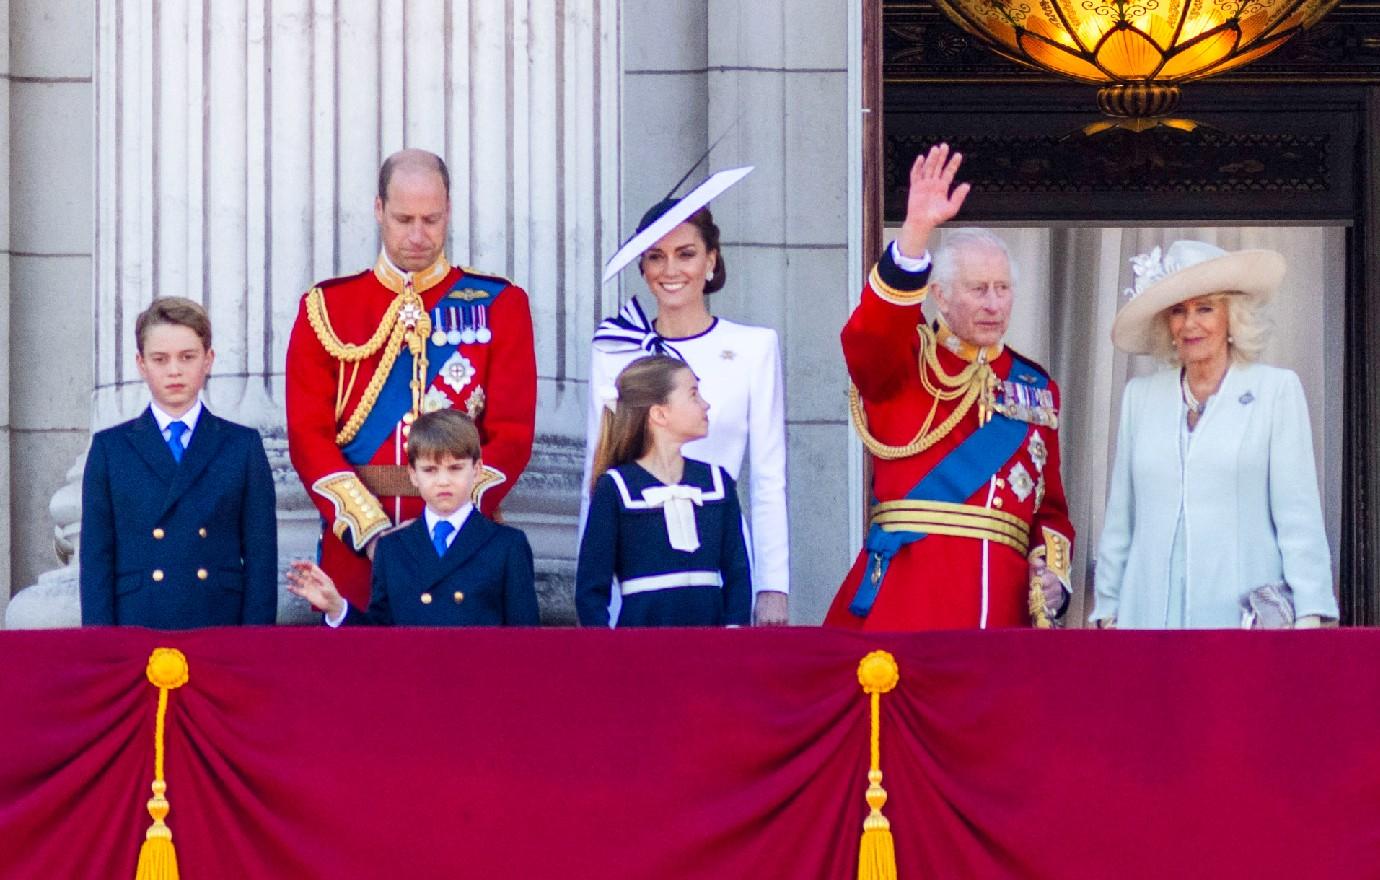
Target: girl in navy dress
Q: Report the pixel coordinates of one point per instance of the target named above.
(668, 528)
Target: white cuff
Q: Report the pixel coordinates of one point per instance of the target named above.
(335, 624)
(909, 264)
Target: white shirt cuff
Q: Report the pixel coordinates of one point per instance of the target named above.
(909, 264)
(335, 624)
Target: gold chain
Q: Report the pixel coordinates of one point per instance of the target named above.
(971, 383)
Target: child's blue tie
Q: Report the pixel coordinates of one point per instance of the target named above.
(439, 536)
(175, 432)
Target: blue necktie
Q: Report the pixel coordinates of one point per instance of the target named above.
(175, 432)
(439, 536)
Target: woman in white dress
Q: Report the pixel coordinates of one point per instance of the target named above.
(1213, 513)
(739, 369)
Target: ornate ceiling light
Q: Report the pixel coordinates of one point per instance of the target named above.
(1138, 50)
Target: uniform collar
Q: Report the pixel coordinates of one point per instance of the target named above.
(395, 279)
(965, 350)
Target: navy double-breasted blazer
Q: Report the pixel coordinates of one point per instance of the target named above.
(178, 545)
(485, 578)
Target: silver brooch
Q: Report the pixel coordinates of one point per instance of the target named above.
(1246, 398)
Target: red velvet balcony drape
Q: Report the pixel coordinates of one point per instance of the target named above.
(726, 754)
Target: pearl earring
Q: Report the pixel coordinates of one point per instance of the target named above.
(709, 276)
(1231, 340)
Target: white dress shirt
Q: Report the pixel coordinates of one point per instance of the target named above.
(909, 264)
(188, 418)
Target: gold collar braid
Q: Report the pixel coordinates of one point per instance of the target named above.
(975, 383)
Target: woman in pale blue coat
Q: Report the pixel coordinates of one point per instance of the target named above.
(1214, 489)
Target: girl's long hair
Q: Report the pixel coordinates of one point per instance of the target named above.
(623, 434)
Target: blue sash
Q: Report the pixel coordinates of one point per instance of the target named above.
(953, 480)
(395, 398)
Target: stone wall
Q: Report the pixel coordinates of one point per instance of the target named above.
(47, 220)
(201, 149)
(776, 73)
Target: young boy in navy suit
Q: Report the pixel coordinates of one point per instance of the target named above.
(452, 566)
(178, 528)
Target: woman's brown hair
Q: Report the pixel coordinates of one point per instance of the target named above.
(703, 221)
(623, 434)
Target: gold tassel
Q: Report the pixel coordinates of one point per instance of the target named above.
(878, 674)
(166, 670)
(1039, 616)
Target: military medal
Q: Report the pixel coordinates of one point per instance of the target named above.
(483, 334)
(438, 336)
(454, 337)
(467, 327)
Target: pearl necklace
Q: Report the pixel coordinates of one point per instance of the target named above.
(1193, 405)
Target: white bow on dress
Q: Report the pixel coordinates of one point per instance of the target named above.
(677, 505)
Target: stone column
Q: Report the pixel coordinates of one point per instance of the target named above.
(47, 222)
(782, 66)
(5, 471)
(237, 150)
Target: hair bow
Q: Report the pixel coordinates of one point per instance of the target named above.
(609, 395)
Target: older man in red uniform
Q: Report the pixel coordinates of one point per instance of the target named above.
(968, 522)
(371, 352)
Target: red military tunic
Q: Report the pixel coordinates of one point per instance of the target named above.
(971, 567)
(347, 427)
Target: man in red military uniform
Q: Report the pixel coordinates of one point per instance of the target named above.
(371, 352)
(968, 524)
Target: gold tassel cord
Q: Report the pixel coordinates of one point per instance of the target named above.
(878, 674)
(405, 323)
(166, 670)
(975, 383)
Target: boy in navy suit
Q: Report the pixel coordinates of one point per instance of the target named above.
(178, 528)
(452, 566)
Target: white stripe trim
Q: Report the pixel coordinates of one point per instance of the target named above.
(672, 581)
(991, 493)
(716, 494)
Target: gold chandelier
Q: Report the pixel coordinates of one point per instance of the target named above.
(1138, 50)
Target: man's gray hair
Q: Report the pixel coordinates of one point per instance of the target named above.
(961, 241)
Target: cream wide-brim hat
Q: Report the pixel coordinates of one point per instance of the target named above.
(1187, 270)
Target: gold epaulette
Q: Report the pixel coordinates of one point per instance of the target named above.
(356, 510)
(487, 479)
(470, 271)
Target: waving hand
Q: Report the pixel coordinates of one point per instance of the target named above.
(933, 199)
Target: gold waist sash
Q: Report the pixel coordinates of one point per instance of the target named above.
(956, 520)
